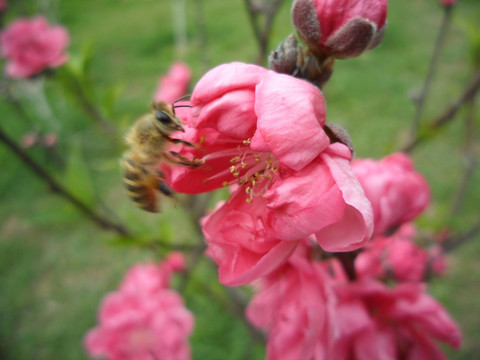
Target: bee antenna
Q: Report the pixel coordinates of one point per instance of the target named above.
(180, 99)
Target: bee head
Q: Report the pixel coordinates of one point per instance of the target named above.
(167, 120)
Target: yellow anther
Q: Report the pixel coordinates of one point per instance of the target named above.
(233, 169)
(202, 139)
(256, 157)
(249, 200)
(244, 165)
(247, 142)
(248, 189)
(235, 160)
(225, 183)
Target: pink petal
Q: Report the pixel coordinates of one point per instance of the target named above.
(236, 241)
(356, 226)
(225, 78)
(231, 114)
(300, 111)
(303, 202)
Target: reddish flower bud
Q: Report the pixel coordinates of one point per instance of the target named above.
(342, 28)
(448, 2)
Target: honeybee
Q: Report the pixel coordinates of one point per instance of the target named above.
(148, 139)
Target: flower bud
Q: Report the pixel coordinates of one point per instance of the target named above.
(340, 28)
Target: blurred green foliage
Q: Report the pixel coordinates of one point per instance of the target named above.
(55, 265)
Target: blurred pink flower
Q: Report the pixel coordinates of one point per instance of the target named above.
(295, 306)
(150, 278)
(50, 140)
(449, 2)
(396, 256)
(263, 131)
(342, 28)
(310, 310)
(3, 5)
(29, 139)
(143, 319)
(378, 323)
(437, 263)
(174, 84)
(32, 45)
(397, 192)
(133, 326)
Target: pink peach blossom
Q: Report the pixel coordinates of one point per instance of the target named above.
(437, 263)
(396, 191)
(144, 318)
(295, 306)
(174, 84)
(263, 132)
(449, 2)
(395, 256)
(138, 327)
(310, 309)
(378, 323)
(150, 278)
(342, 28)
(32, 45)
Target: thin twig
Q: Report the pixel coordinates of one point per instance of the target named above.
(420, 100)
(59, 189)
(202, 35)
(470, 159)
(454, 242)
(262, 35)
(449, 114)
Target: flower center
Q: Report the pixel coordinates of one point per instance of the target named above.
(254, 171)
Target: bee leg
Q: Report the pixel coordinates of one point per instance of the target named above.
(165, 189)
(176, 158)
(183, 142)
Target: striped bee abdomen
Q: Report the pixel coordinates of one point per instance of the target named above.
(141, 184)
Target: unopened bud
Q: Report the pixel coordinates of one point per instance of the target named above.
(341, 28)
(290, 58)
(284, 58)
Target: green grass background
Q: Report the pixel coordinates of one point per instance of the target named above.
(55, 265)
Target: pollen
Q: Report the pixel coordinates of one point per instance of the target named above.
(253, 171)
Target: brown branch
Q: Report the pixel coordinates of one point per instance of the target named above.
(449, 114)
(59, 189)
(420, 100)
(262, 35)
(454, 242)
(202, 35)
(470, 158)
